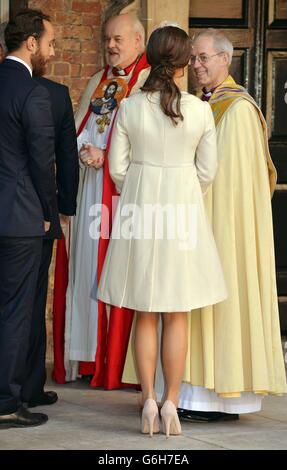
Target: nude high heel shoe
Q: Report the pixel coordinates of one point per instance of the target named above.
(150, 418)
(170, 420)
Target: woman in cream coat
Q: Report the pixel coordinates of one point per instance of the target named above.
(162, 257)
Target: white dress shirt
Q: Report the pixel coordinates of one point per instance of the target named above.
(12, 57)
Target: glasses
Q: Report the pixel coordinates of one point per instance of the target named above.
(202, 58)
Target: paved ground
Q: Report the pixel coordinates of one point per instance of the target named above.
(84, 418)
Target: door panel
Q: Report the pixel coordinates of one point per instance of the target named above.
(275, 107)
(216, 10)
(258, 31)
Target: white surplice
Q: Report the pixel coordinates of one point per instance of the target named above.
(81, 320)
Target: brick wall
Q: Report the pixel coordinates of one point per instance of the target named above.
(78, 42)
(78, 56)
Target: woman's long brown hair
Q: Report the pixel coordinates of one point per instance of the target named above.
(168, 49)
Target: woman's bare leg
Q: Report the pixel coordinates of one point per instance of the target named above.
(146, 350)
(174, 349)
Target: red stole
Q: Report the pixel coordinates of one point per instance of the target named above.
(111, 345)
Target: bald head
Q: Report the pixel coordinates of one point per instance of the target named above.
(124, 39)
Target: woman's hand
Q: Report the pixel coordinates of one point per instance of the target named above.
(92, 157)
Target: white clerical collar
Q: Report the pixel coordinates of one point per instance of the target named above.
(12, 57)
(121, 72)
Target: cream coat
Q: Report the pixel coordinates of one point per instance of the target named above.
(154, 162)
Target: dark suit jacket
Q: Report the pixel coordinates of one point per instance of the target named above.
(67, 160)
(27, 177)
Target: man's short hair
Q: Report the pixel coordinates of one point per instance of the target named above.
(220, 41)
(2, 39)
(26, 23)
(139, 28)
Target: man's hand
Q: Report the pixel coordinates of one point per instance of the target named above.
(92, 157)
(47, 226)
(64, 219)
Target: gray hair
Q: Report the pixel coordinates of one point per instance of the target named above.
(2, 39)
(220, 41)
(139, 29)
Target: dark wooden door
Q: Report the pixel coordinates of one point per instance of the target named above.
(274, 102)
(258, 31)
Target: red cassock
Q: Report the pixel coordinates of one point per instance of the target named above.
(113, 335)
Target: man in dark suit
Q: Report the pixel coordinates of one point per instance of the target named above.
(67, 174)
(27, 192)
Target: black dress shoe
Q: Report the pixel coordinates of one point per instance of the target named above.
(86, 379)
(22, 419)
(46, 398)
(205, 416)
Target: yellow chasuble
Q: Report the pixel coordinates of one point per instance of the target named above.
(227, 95)
(235, 346)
